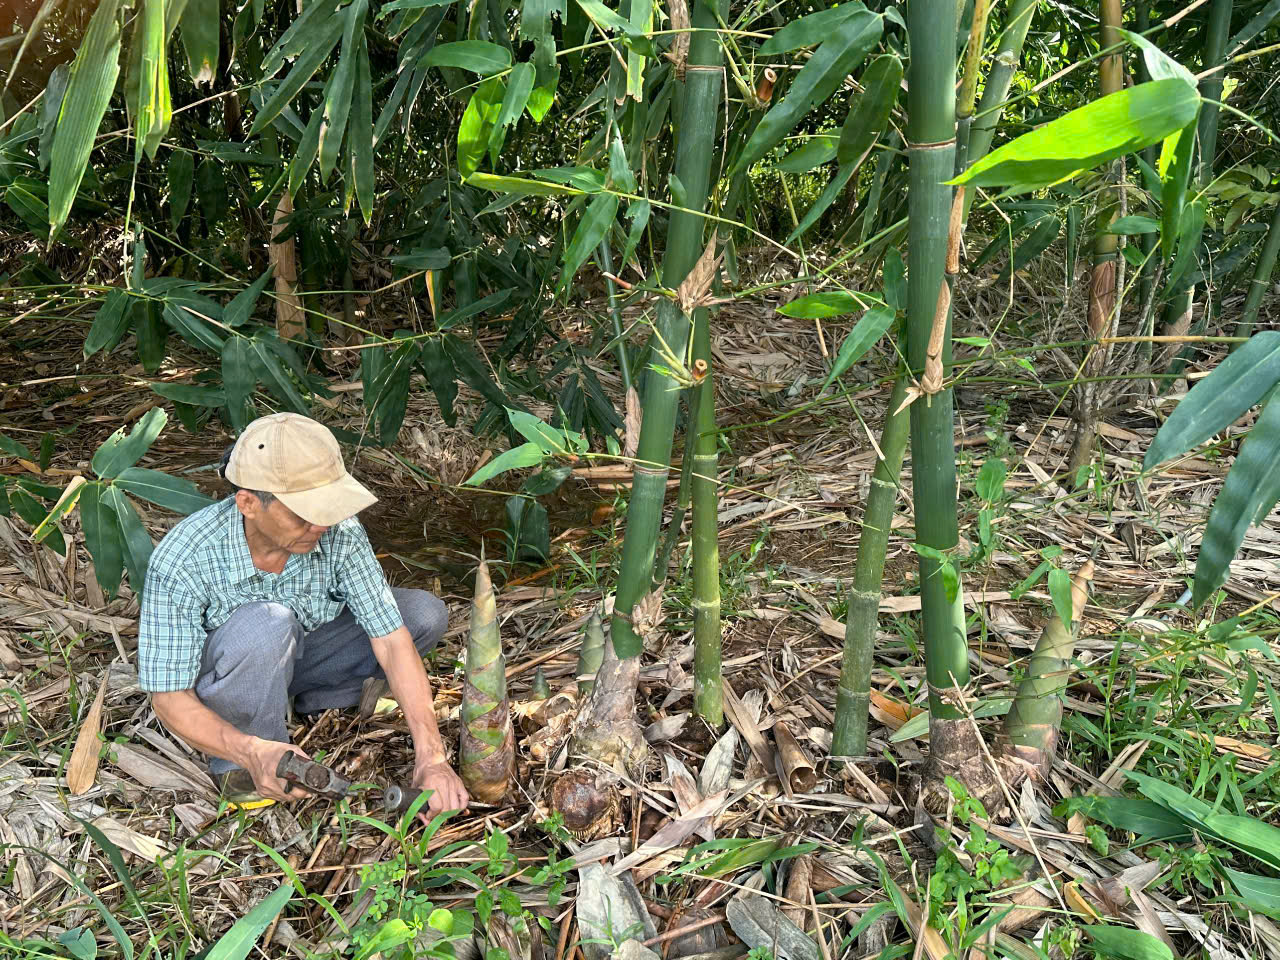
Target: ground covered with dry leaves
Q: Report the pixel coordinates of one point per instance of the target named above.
(776, 850)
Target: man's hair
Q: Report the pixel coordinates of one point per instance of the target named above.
(263, 497)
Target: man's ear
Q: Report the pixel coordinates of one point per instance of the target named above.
(249, 505)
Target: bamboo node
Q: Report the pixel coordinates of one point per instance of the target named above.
(939, 145)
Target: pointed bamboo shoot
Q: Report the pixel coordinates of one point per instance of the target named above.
(488, 742)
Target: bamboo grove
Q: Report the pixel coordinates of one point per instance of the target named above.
(226, 170)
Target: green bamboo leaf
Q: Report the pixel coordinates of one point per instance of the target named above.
(850, 40)
(1143, 818)
(14, 449)
(395, 5)
(388, 394)
(828, 303)
(525, 455)
(102, 537)
(121, 451)
(200, 38)
(1133, 225)
(811, 30)
(89, 88)
(360, 134)
(638, 212)
(1060, 593)
(596, 222)
(521, 186)
(153, 106)
(881, 82)
(639, 47)
(477, 56)
(603, 16)
(236, 943)
(1190, 230)
(240, 309)
(477, 122)
(1258, 839)
(1175, 170)
(310, 27)
(155, 486)
(619, 168)
(191, 394)
(1122, 943)
(1220, 399)
(304, 68)
(825, 199)
(337, 97)
(136, 545)
(1260, 894)
(238, 379)
(54, 91)
(864, 335)
(70, 495)
(182, 169)
(305, 155)
(438, 369)
(196, 330)
(1112, 126)
(990, 483)
(895, 279)
(109, 323)
(548, 439)
(519, 86)
(271, 363)
(820, 148)
(31, 208)
(150, 332)
(1262, 20)
(471, 369)
(1159, 64)
(1037, 242)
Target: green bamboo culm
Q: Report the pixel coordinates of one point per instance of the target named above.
(487, 748)
(591, 654)
(930, 131)
(615, 313)
(849, 733)
(1032, 725)
(966, 99)
(1261, 279)
(699, 119)
(708, 696)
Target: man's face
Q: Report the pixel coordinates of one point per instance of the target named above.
(278, 525)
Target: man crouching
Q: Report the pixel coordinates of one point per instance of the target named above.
(274, 593)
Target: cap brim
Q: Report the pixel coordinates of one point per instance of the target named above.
(329, 505)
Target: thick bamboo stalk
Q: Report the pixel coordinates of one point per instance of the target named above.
(1032, 724)
(488, 743)
(708, 698)
(1261, 279)
(863, 614)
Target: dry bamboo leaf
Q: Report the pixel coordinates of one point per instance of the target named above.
(799, 889)
(155, 772)
(758, 923)
(718, 766)
(666, 729)
(695, 289)
(671, 833)
(893, 713)
(735, 709)
(609, 906)
(931, 939)
(82, 768)
(646, 615)
(129, 840)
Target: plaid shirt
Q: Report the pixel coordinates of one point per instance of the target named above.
(202, 571)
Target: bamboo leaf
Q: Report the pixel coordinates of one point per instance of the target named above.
(519, 86)
(819, 148)
(619, 168)
(102, 538)
(154, 109)
(470, 368)
(1159, 64)
(864, 335)
(82, 767)
(1133, 225)
(1260, 894)
(1220, 399)
(548, 439)
(881, 82)
(135, 542)
(310, 26)
(240, 309)
(596, 222)
(851, 39)
(196, 330)
(525, 455)
(315, 53)
(236, 943)
(154, 486)
(440, 374)
(825, 199)
(522, 186)
(638, 212)
(182, 169)
(200, 38)
(109, 323)
(271, 363)
(477, 56)
(811, 30)
(1143, 818)
(337, 97)
(1125, 944)
(306, 152)
(410, 5)
(1060, 593)
(191, 394)
(89, 88)
(1175, 169)
(1112, 126)
(238, 379)
(477, 122)
(828, 303)
(1261, 840)
(60, 509)
(360, 135)
(120, 451)
(1263, 19)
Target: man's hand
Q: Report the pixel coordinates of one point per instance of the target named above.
(261, 762)
(448, 793)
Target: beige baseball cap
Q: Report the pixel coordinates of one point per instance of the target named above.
(299, 461)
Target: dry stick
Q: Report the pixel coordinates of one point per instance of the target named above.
(565, 927)
(681, 931)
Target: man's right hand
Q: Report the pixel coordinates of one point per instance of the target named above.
(261, 762)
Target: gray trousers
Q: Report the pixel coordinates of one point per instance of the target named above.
(261, 657)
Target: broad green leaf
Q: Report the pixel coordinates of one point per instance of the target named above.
(389, 392)
(850, 40)
(155, 486)
(1112, 126)
(473, 371)
(603, 16)
(1258, 839)
(135, 542)
(80, 943)
(200, 38)
(819, 149)
(828, 303)
(430, 258)
(1175, 170)
(881, 82)
(638, 212)
(392, 933)
(191, 394)
(825, 199)
(483, 305)
(869, 329)
(477, 56)
(541, 99)
(194, 329)
(1122, 943)
(596, 222)
(1133, 225)
(990, 483)
(60, 509)
(1190, 230)
(1037, 242)
(305, 155)
(14, 448)
(477, 123)
(236, 943)
(360, 134)
(522, 186)
(31, 208)
(153, 106)
(519, 86)
(1262, 20)
(54, 92)
(1220, 399)
(641, 24)
(410, 5)
(272, 359)
(1143, 818)
(918, 725)
(109, 323)
(89, 89)
(150, 332)
(182, 171)
(1060, 593)
(304, 68)
(121, 451)
(102, 537)
(307, 28)
(440, 374)
(548, 439)
(1160, 65)
(895, 279)
(812, 29)
(525, 455)
(238, 380)
(619, 168)
(338, 91)
(1260, 894)
(240, 309)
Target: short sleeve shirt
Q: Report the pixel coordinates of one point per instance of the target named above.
(202, 572)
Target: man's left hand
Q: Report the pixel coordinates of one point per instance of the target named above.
(448, 793)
